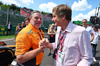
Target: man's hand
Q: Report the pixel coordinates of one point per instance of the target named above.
(43, 43)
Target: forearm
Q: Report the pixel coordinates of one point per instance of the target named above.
(28, 55)
(91, 39)
(50, 46)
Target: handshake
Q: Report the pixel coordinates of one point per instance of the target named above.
(44, 43)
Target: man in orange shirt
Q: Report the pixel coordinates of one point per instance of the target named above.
(27, 51)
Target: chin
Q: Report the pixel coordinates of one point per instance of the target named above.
(56, 24)
(38, 26)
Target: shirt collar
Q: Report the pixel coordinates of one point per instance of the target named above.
(33, 28)
(69, 27)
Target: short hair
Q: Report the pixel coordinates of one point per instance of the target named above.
(85, 19)
(95, 26)
(27, 19)
(35, 11)
(62, 10)
(19, 24)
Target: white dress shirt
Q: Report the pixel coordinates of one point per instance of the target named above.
(9, 26)
(90, 30)
(76, 46)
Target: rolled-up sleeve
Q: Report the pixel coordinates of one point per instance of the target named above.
(85, 49)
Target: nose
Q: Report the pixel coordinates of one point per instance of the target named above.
(39, 19)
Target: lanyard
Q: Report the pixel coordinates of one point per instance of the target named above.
(61, 40)
(40, 34)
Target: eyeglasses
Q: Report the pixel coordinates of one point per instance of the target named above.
(84, 22)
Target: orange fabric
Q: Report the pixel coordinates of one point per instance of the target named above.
(27, 38)
(16, 28)
(50, 35)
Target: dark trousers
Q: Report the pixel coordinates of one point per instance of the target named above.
(8, 31)
(94, 46)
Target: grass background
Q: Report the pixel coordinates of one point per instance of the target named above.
(7, 37)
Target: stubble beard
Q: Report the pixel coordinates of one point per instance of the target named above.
(36, 26)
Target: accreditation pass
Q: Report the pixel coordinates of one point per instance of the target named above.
(60, 57)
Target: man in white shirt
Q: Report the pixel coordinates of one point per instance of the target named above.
(9, 26)
(72, 44)
(89, 29)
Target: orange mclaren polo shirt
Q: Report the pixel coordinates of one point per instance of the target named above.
(29, 37)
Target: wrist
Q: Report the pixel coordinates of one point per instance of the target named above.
(48, 45)
(41, 49)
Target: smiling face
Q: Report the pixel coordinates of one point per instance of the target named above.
(84, 22)
(57, 20)
(36, 20)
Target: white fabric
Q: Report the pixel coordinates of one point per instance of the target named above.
(96, 37)
(8, 26)
(76, 47)
(90, 30)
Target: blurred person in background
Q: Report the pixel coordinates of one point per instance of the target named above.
(9, 27)
(18, 28)
(27, 21)
(89, 29)
(51, 34)
(95, 41)
(22, 25)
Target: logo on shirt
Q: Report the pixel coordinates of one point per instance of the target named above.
(37, 37)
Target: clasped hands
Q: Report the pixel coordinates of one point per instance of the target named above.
(43, 43)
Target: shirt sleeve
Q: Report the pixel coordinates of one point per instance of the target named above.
(23, 44)
(98, 33)
(91, 30)
(85, 49)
